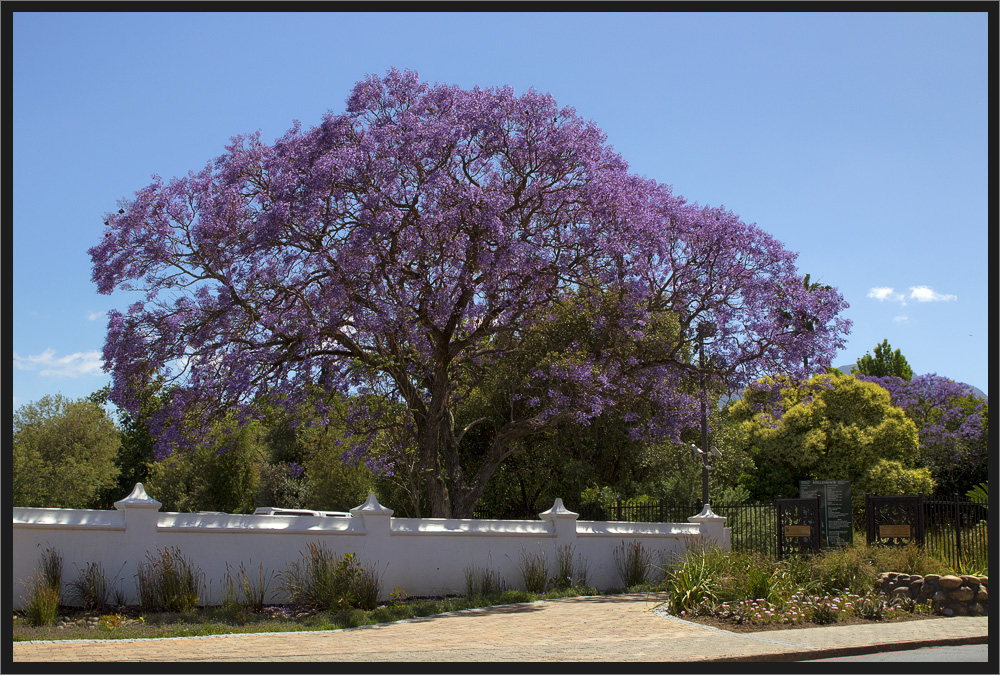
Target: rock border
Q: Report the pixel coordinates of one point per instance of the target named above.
(948, 595)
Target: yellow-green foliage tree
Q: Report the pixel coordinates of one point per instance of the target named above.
(63, 453)
(828, 428)
(889, 478)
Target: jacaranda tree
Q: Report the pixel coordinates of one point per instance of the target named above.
(953, 425)
(410, 244)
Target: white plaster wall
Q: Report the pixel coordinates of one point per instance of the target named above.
(423, 556)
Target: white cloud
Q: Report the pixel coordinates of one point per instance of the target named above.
(882, 293)
(94, 316)
(928, 294)
(902, 318)
(71, 365)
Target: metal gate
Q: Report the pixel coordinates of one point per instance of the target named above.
(894, 521)
(798, 526)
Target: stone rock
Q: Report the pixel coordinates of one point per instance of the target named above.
(970, 580)
(963, 594)
(975, 609)
(948, 611)
(950, 582)
(960, 610)
(983, 595)
(984, 581)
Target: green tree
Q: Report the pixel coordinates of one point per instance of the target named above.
(828, 428)
(222, 476)
(135, 454)
(63, 453)
(884, 363)
(306, 464)
(889, 478)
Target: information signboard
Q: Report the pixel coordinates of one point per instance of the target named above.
(834, 507)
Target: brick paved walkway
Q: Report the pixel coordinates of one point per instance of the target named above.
(602, 628)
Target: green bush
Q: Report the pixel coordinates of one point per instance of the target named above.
(571, 571)
(247, 589)
(534, 572)
(483, 581)
(168, 582)
(324, 580)
(92, 588)
(633, 562)
(41, 606)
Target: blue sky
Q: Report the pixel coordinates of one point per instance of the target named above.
(857, 139)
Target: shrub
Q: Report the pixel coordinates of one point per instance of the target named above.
(571, 573)
(690, 584)
(168, 582)
(633, 563)
(51, 563)
(534, 572)
(247, 590)
(42, 604)
(92, 588)
(324, 580)
(483, 581)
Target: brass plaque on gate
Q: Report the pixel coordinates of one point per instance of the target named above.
(894, 531)
(798, 531)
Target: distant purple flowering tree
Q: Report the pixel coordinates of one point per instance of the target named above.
(392, 248)
(951, 424)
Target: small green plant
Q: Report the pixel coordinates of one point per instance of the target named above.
(168, 581)
(690, 584)
(92, 588)
(51, 564)
(326, 581)
(41, 606)
(534, 572)
(571, 571)
(367, 587)
(633, 562)
(248, 589)
(483, 581)
(398, 596)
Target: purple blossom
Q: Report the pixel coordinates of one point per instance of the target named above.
(404, 249)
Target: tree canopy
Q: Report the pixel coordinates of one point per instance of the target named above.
(885, 363)
(953, 425)
(832, 427)
(63, 453)
(415, 243)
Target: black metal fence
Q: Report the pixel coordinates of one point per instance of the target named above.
(753, 526)
(955, 530)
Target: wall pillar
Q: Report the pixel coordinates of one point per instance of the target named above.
(141, 516)
(713, 527)
(563, 522)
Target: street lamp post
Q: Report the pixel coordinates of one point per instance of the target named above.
(705, 329)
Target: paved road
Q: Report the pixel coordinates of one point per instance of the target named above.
(960, 654)
(594, 629)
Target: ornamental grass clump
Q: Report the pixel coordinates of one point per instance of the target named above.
(571, 572)
(483, 582)
(534, 572)
(633, 562)
(168, 582)
(247, 589)
(92, 588)
(41, 606)
(324, 580)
